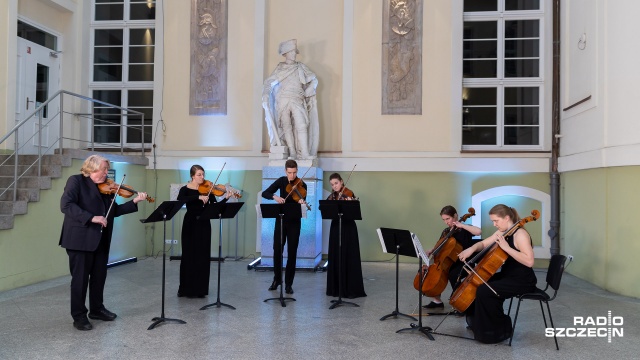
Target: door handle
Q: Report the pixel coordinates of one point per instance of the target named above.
(28, 101)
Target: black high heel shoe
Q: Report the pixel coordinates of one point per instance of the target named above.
(274, 285)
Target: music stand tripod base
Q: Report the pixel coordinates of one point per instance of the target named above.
(418, 327)
(220, 210)
(339, 210)
(159, 320)
(339, 302)
(163, 212)
(423, 329)
(402, 243)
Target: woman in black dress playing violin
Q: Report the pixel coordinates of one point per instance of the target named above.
(349, 272)
(195, 263)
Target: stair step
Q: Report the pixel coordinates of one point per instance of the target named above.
(6, 222)
(29, 195)
(35, 182)
(13, 208)
(54, 171)
(62, 160)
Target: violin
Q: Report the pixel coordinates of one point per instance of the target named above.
(110, 187)
(344, 194)
(207, 188)
(445, 254)
(493, 257)
(296, 192)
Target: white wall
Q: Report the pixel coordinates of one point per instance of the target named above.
(603, 131)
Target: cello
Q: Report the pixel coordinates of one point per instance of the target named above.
(493, 257)
(445, 254)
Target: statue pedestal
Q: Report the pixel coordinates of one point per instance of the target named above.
(310, 246)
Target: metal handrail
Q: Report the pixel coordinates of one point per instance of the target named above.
(59, 140)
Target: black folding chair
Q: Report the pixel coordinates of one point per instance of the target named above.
(554, 275)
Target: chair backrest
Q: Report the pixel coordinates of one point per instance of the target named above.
(556, 268)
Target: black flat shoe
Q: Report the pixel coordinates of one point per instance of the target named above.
(434, 305)
(82, 324)
(102, 314)
(288, 289)
(274, 285)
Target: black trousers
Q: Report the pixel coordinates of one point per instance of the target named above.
(290, 237)
(88, 271)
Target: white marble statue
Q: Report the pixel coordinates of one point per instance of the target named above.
(289, 102)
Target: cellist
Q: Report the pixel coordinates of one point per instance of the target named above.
(463, 236)
(486, 316)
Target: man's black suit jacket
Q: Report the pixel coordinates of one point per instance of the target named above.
(80, 202)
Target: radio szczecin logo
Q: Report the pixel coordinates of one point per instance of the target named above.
(591, 327)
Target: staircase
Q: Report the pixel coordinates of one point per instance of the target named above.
(29, 185)
(30, 181)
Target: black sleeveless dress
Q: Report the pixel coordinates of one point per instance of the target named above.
(347, 273)
(486, 316)
(195, 264)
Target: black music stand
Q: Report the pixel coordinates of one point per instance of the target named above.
(340, 209)
(281, 211)
(418, 327)
(163, 212)
(220, 210)
(400, 240)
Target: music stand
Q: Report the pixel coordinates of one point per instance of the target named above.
(163, 212)
(423, 329)
(281, 211)
(337, 209)
(220, 210)
(400, 240)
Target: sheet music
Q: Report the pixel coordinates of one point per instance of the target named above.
(384, 247)
(419, 250)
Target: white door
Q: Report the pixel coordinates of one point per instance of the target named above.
(38, 72)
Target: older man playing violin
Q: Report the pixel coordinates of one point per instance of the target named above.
(86, 235)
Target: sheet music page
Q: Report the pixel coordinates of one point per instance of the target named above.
(384, 247)
(419, 250)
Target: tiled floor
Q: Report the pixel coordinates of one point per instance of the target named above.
(35, 321)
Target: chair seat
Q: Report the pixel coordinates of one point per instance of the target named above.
(538, 295)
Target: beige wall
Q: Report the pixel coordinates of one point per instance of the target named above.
(318, 26)
(430, 131)
(233, 131)
(599, 227)
(7, 66)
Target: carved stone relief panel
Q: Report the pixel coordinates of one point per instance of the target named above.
(402, 57)
(208, 85)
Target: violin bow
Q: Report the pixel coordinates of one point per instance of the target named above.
(214, 183)
(296, 184)
(114, 198)
(345, 184)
